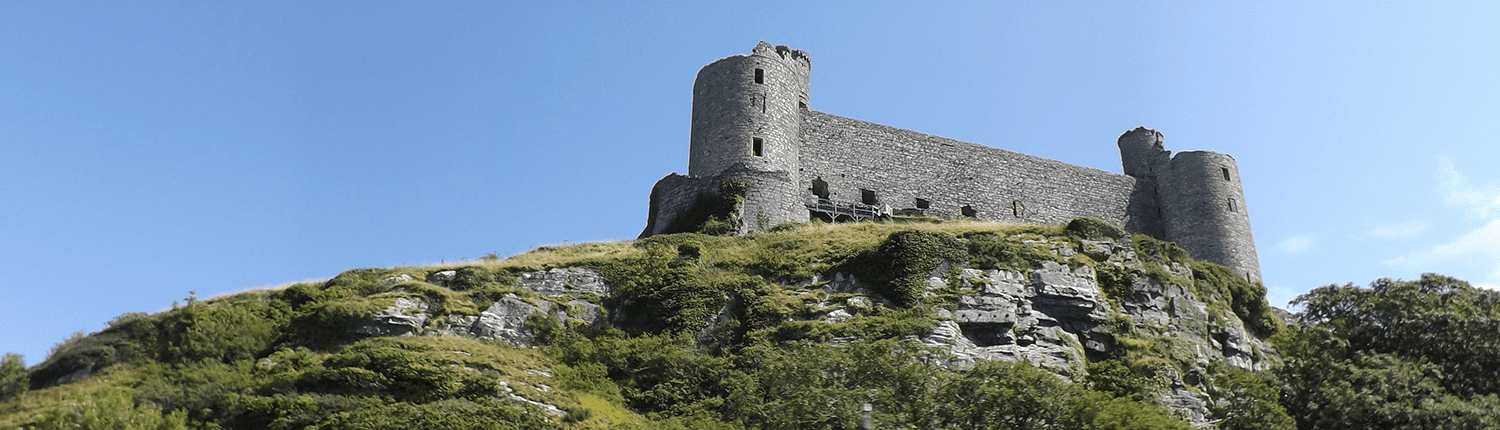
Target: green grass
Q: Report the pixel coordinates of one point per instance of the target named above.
(288, 357)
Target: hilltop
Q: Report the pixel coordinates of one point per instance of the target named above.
(933, 324)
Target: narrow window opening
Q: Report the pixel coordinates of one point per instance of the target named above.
(1231, 205)
(867, 197)
(802, 105)
(820, 188)
(760, 76)
(922, 204)
(1018, 209)
(968, 211)
(1225, 171)
(757, 147)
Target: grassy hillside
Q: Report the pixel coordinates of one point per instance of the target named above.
(698, 331)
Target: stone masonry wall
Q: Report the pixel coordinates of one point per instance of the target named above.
(772, 199)
(901, 166)
(731, 109)
(671, 196)
(1205, 210)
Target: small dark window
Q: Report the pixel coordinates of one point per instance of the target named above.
(868, 197)
(757, 147)
(922, 204)
(968, 212)
(820, 188)
(760, 76)
(802, 105)
(1231, 205)
(1018, 209)
(1225, 171)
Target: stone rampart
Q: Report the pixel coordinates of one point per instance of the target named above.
(901, 166)
(672, 196)
(751, 122)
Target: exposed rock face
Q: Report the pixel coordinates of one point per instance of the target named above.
(1011, 318)
(505, 320)
(1051, 315)
(559, 281)
(408, 316)
(1056, 316)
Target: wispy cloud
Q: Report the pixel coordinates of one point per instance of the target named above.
(1398, 230)
(1481, 201)
(1478, 249)
(1295, 244)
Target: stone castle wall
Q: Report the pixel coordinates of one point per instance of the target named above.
(751, 122)
(901, 166)
(1205, 210)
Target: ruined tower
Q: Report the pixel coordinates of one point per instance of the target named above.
(1193, 199)
(748, 109)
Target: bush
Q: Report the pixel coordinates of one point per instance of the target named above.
(902, 264)
(1093, 229)
(989, 251)
(13, 379)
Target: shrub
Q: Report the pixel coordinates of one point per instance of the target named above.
(1093, 229)
(13, 378)
(902, 264)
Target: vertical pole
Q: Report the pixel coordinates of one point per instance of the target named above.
(864, 421)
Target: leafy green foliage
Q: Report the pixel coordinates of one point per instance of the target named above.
(901, 265)
(222, 331)
(1154, 250)
(111, 408)
(1132, 376)
(1248, 401)
(1400, 354)
(814, 385)
(1247, 299)
(705, 331)
(990, 251)
(13, 379)
(445, 414)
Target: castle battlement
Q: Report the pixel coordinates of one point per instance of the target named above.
(751, 122)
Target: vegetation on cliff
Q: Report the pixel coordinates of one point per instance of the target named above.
(705, 331)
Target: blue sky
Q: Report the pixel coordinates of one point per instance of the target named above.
(153, 149)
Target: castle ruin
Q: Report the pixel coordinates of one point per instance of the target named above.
(751, 122)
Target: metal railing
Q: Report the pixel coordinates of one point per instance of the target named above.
(835, 209)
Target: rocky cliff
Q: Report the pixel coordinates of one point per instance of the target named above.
(1123, 316)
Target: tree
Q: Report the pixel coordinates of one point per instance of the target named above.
(1399, 354)
(13, 379)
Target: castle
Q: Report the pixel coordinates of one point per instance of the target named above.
(751, 123)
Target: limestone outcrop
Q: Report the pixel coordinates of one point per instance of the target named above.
(506, 320)
(1053, 315)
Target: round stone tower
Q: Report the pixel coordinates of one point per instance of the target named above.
(748, 109)
(1204, 210)
(1142, 152)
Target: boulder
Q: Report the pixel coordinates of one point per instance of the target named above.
(506, 321)
(560, 281)
(408, 316)
(442, 278)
